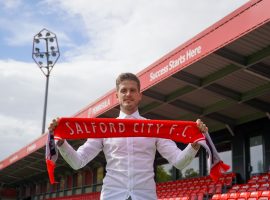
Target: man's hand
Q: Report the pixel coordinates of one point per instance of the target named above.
(53, 124)
(51, 128)
(203, 128)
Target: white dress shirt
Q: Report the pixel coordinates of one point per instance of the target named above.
(129, 168)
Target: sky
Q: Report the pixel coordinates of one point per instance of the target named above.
(98, 39)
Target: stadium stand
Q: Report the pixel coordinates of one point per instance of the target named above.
(89, 196)
(257, 187)
(199, 188)
(256, 195)
(186, 189)
(195, 188)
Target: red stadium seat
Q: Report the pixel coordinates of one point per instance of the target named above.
(216, 196)
(200, 196)
(234, 189)
(265, 195)
(193, 196)
(218, 188)
(264, 178)
(264, 186)
(243, 188)
(243, 195)
(253, 179)
(211, 189)
(228, 181)
(183, 198)
(224, 196)
(233, 196)
(253, 187)
(254, 195)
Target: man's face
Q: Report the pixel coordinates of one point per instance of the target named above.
(128, 96)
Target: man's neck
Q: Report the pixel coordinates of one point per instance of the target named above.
(128, 112)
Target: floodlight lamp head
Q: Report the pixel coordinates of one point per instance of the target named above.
(45, 50)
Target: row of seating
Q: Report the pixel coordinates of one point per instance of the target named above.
(264, 178)
(189, 196)
(257, 187)
(203, 188)
(195, 188)
(255, 195)
(226, 179)
(249, 187)
(88, 196)
(175, 198)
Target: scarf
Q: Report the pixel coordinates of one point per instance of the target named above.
(179, 131)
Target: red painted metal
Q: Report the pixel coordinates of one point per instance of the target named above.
(243, 20)
(32, 147)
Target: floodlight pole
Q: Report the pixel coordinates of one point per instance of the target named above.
(45, 104)
(45, 59)
(47, 74)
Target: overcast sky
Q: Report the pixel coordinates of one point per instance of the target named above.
(98, 39)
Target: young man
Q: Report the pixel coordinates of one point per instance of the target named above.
(130, 173)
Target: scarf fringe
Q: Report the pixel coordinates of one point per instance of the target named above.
(50, 168)
(218, 169)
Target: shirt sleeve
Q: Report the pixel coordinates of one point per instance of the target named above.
(84, 154)
(178, 158)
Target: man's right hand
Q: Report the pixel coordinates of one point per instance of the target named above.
(53, 124)
(51, 128)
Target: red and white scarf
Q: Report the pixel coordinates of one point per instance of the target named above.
(179, 131)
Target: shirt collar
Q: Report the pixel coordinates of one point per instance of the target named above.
(135, 115)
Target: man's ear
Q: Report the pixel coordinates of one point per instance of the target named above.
(116, 94)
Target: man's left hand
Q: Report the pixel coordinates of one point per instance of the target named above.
(203, 128)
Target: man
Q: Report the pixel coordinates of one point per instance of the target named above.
(130, 173)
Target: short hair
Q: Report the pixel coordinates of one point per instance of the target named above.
(127, 76)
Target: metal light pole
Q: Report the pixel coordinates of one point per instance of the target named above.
(45, 53)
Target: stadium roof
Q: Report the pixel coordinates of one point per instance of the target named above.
(222, 76)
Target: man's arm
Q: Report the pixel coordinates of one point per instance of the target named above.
(84, 154)
(180, 159)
